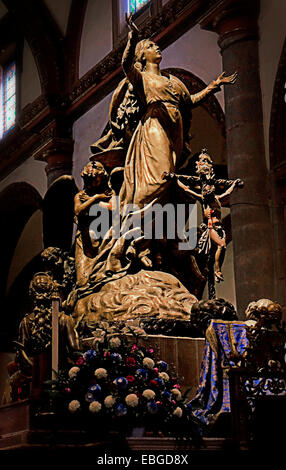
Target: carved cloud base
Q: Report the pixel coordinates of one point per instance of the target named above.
(145, 294)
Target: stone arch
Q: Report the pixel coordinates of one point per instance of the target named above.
(73, 40)
(17, 204)
(44, 38)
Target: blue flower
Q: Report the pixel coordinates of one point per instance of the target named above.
(90, 355)
(121, 382)
(152, 407)
(142, 373)
(93, 393)
(158, 380)
(116, 357)
(162, 366)
(120, 410)
(166, 395)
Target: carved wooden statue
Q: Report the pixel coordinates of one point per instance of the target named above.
(213, 233)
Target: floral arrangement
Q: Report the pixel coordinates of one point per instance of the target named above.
(119, 384)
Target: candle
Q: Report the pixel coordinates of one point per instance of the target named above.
(55, 337)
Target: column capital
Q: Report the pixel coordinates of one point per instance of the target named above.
(57, 152)
(233, 20)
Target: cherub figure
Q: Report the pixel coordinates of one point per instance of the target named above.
(96, 190)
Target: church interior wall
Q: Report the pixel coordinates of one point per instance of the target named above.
(29, 245)
(30, 171)
(272, 36)
(3, 10)
(197, 51)
(86, 130)
(96, 40)
(30, 82)
(60, 12)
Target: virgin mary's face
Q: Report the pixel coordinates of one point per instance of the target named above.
(152, 52)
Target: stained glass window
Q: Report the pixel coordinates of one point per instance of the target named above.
(7, 98)
(135, 5)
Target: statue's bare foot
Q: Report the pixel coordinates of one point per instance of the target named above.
(218, 276)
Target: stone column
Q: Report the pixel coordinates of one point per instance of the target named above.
(250, 212)
(59, 159)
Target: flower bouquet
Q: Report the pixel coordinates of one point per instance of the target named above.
(119, 384)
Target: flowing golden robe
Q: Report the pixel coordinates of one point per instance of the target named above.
(157, 143)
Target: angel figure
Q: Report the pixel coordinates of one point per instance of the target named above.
(161, 134)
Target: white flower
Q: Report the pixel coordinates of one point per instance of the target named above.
(132, 400)
(178, 412)
(114, 342)
(164, 376)
(100, 373)
(74, 405)
(73, 372)
(95, 407)
(149, 394)
(148, 362)
(109, 401)
(176, 394)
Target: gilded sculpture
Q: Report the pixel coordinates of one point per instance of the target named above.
(123, 276)
(213, 234)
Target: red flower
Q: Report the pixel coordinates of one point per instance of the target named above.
(130, 378)
(130, 361)
(154, 382)
(80, 361)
